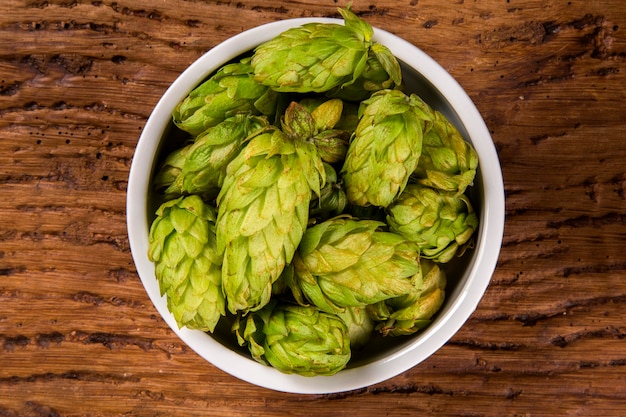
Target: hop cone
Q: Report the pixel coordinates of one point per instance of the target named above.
(316, 125)
(295, 339)
(200, 168)
(412, 312)
(182, 245)
(331, 142)
(229, 91)
(440, 222)
(344, 262)
(263, 210)
(314, 57)
(448, 162)
(385, 148)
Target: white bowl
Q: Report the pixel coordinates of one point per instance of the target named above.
(467, 281)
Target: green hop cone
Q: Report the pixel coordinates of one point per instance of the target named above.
(385, 148)
(344, 262)
(295, 339)
(182, 246)
(441, 223)
(200, 168)
(331, 142)
(229, 91)
(263, 210)
(412, 312)
(332, 145)
(448, 162)
(316, 125)
(314, 57)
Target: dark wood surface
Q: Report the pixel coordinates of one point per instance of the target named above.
(78, 334)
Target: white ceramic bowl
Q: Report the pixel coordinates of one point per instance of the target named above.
(467, 281)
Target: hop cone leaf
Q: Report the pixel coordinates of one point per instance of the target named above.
(326, 117)
(169, 170)
(382, 71)
(183, 248)
(332, 200)
(360, 325)
(412, 312)
(385, 148)
(441, 223)
(314, 57)
(344, 262)
(229, 91)
(200, 168)
(263, 210)
(448, 162)
(295, 339)
(331, 143)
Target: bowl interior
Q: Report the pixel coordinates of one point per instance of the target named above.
(382, 358)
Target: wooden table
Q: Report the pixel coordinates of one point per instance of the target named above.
(78, 334)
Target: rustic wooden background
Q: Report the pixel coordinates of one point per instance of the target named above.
(78, 334)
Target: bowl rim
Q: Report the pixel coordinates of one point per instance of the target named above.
(410, 354)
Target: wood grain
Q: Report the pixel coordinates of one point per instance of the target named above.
(78, 334)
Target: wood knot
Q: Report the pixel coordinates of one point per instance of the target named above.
(527, 33)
